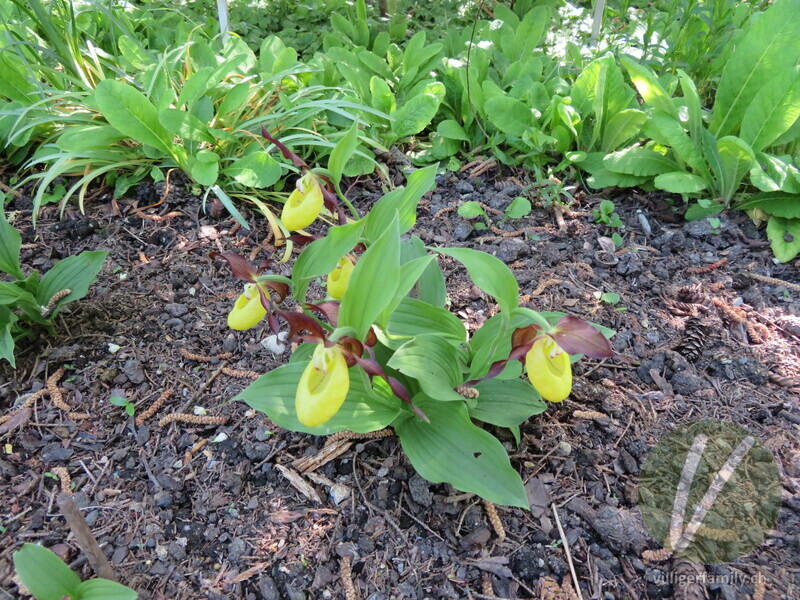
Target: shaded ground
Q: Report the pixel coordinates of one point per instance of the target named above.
(187, 511)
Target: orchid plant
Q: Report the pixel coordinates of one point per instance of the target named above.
(381, 350)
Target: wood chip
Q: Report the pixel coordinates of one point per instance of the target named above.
(300, 484)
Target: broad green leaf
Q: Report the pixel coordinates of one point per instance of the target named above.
(680, 182)
(489, 273)
(410, 272)
(132, 51)
(531, 30)
(641, 162)
(774, 109)
(401, 202)
(376, 64)
(520, 207)
(184, 124)
(258, 170)
(693, 106)
(670, 131)
(342, 152)
(777, 204)
(452, 449)
(129, 111)
(413, 317)
(770, 46)
(622, 127)
(12, 74)
(373, 283)
(382, 97)
(430, 287)
(320, 256)
(364, 409)
(451, 129)
(8, 321)
(703, 209)
(103, 589)
(10, 243)
(194, 87)
(775, 173)
(509, 115)
(202, 171)
(601, 177)
(11, 293)
(74, 273)
(436, 364)
(784, 237)
(649, 87)
(736, 158)
(234, 100)
(506, 403)
(414, 115)
(470, 210)
(44, 574)
(83, 137)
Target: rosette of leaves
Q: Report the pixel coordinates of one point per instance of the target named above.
(409, 357)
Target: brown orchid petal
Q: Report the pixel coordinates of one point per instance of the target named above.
(372, 338)
(281, 289)
(239, 266)
(287, 154)
(274, 325)
(301, 240)
(525, 335)
(352, 346)
(579, 337)
(300, 322)
(265, 299)
(329, 310)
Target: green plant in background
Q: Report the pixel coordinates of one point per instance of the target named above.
(606, 214)
(709, 154)
(47, 578)
(34, 300)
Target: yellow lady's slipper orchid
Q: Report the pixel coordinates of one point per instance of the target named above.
(247, 311)
(304, 203)
(549, 369)
(340, 277)
(323, 387)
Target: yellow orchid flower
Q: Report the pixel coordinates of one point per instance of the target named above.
(248, 310)
(549, 369)
(340, 277)
(323, 387)
(304, 203)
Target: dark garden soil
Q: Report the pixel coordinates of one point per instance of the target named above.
(188, 511)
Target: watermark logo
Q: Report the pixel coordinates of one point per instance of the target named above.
(709, 491)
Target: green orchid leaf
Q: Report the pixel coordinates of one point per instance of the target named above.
(435, 363)
(506, 403)
(373, 283)
(75, 273)
(489, 273)
(103, 589)
(44, 574)
(452, 449)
